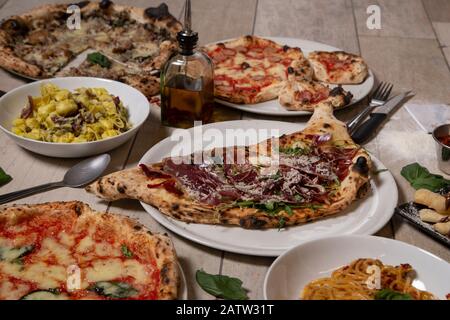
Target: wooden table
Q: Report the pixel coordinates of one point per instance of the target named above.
(412, 50)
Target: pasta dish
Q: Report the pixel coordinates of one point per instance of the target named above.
(366, 279)
(58, 115)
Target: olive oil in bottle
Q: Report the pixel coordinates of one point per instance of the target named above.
(187, 88)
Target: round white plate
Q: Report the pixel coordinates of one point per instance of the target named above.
(289, 274)
(182, 290)
(365, 216)
(272, 107)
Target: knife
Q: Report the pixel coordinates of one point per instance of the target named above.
(365, 130)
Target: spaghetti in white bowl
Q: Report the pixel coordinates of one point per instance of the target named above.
(357, 267)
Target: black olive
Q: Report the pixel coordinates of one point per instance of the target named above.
(286, 48)
(82, 4)
(336, 91)
(245, 65)
(15, 26)
(290, 70)
(159, 12)
(105, 4)
(361, 166)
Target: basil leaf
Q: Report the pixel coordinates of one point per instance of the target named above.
(113, 289)
(221, 286)
(98, 58)
(388, 294)
(4, 177)
(420, 178)
(126, 251)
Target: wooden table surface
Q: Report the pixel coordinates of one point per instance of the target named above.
(412, 50)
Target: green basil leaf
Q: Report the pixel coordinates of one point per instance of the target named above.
(221, 286)
(388, 294)
(4, 177)
(113, 289)
(420, 178)
(126, 251)
(98, 58)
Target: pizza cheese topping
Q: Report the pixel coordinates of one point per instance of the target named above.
(39, 256)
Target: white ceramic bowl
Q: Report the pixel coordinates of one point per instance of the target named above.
(289, 274)
(12, 103)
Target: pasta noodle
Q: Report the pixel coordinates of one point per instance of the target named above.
(58, 115)
(354, 282)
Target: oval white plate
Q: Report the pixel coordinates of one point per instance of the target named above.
(273, 108)
(13, 102)
(289, 274)
(365, 216)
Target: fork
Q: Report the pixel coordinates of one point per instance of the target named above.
(378, 98)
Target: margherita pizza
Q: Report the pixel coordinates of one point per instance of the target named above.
(338, 67)
(39, 43)
(318, 172)
(251, 69)
(65, 250)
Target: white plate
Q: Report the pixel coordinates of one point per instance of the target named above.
(289, 274)
(13, 102)
(365, 216)
(182, 290)
(272, 107)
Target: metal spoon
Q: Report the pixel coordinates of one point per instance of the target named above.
(78, 176)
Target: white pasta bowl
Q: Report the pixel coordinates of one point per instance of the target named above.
(294, 269)
(13, 102)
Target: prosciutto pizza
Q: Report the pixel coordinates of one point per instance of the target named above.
(305, 94)
(65, 250)
(250, 69)
(298, 178)
(139, 41)
(338, 67)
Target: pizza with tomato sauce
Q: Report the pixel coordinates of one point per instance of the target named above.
(305, 94)
(338, 67)
(250, 69)
(300, 177)
(65, 250)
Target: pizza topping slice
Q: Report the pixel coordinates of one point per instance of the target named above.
(338, 67)
(304, 94)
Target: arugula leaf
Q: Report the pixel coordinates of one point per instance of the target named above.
(221, 286)
(388, 294)
(420, 178)
(98, 58)
(296, 151)
(126, 251)
(4, 177)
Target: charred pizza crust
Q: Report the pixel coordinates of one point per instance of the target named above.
(133, 183)
(148, 245)
(305, 94)
(250, 69)
(338, 67)
(43, 28)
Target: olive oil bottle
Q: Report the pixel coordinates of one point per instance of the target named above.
(187, 88)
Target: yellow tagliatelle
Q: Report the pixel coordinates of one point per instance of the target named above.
(58, 115)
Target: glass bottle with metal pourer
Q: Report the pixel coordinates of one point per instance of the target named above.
(187, 88)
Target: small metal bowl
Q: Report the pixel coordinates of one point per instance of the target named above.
(442, 151)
